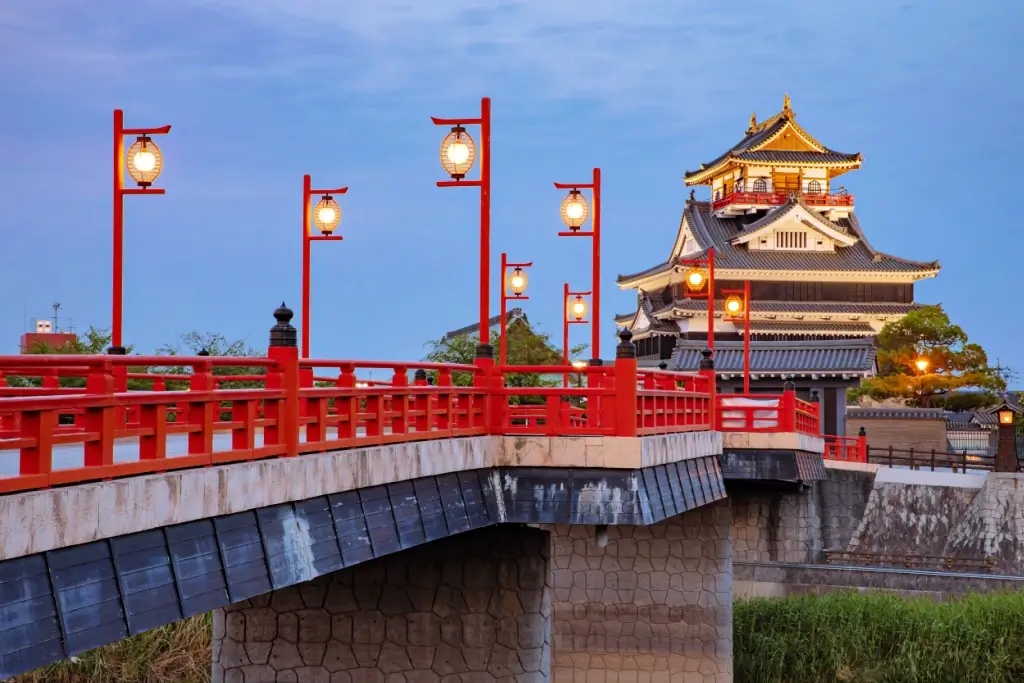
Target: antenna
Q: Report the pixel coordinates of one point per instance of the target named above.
(56, 309)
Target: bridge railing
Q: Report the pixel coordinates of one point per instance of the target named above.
(846, 448)
(768, 413)
(230, 409)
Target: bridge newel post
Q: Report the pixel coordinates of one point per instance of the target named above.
(625, 385)
(284, 350)
(120, 384)
(492, 383)
(706, 369)
(862, 445)
(787, 407)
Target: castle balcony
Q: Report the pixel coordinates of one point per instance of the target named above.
(834, 204)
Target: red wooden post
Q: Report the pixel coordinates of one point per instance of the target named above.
(201, 412)
(706, 368)
(787, 408)
(492, 381)
(284, 350)
(862, 446)
(625, 386)
(100, 421)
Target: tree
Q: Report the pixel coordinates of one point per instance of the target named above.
(957, 375)
(191, 343)
(525, 346)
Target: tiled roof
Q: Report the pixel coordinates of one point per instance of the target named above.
(654, 325)
(710, 231)
(895, 413)
(779, 213)
(510, 317)
(856, 329)
(763, 133)
(855, 357)
(812, 307)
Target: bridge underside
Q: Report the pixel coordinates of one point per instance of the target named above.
(61, 602)
(779, 461)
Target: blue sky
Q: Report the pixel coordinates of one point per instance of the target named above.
(261, 91)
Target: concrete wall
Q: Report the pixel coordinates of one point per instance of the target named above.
(473, 609)
(993, 524)
(920, 434)
(653, 604)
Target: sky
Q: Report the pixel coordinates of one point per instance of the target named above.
(260, 92)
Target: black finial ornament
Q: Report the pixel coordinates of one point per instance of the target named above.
(663, 365)
(203, 352)
(862, 431)
(814, 396)
(706, 361)
(283, 334)
(626, 348)
(788, 386)
(596, 362)
(420, 375)
(484, 351)
(117, 351)
(430, 381)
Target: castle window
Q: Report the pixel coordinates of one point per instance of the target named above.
(791, 240)
(760, 185)
(814, 187)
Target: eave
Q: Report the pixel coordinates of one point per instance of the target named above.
(704, 175)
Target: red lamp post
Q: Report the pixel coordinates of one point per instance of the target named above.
(700, 282)
(458, 152)
(516, 281)
(574, 215)
(575, 313)
(738, 304)
(326, 217)
(144, 162)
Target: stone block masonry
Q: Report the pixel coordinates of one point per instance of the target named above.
(470, 609)
(649, 605)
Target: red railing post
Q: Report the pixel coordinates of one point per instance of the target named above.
(101, 421)
(201, 413)
(787, 408)
(493, 382)
(120, 382)
(284, 350)
(625, 386)
(862, 446)
(706, 369)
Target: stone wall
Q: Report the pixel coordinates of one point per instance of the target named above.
(472, 609)
(651, 604)
(993, 524)
(842, 498)
(778, 527)
(908, 518)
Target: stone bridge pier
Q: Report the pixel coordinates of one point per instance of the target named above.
(508, 604)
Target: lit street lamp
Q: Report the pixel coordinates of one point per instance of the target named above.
(738, 304)
(921, 364)
(574, 313)
(144, 162)
(574, 212)
(1006, 443)
(458, 154)
(699, 282)
(515, 281)
(326, 217)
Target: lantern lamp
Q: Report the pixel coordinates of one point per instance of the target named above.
(734, 305)
(458, 152)
(1006, 416)
(579, 364)
(574, 210)
(578, 308)
(695, 279)
(921, 364)
(326, 215)
(144, 161)
(517, 281)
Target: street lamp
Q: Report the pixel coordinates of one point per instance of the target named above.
(1006, 416)
(698, 282)
(921, 364)
(1006, 439)
(574, 313)
(326, 217)
(738, 304)
(458, 154)
(144, 162)
(515, 281)
(575, 211)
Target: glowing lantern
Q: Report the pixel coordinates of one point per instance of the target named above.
(734, 305)
(575, 210)
(695, 279)
(144, 161)
(578, 308)
(326, 215)
(458, 152)
(517, 281)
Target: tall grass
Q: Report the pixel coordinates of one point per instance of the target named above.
(178, 653)
(872, 638)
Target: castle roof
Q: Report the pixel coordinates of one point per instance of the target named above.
(830, 357)
(853, 252)
(764, 143)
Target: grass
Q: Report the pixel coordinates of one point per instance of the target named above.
(839, 638)
(873, 638)
(178, 653)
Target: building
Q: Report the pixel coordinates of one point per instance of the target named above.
(778, 217)
(45, 339)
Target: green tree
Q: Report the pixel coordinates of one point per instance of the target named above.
(192, 343)
(95, 341)
(525, 347)
(957, 375)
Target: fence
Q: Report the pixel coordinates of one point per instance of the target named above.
(768, 413)
(911, 561)
(930, 460)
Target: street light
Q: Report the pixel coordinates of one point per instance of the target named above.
(144, 162)
(738, 304)
(1006, 416)
(458, 154)
(699, 282)
(575, 211)
(326, 218)
(516, 281)
(574, 313)
(921, 364)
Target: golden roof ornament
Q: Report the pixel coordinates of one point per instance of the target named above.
(786, 104)
(753, 122)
